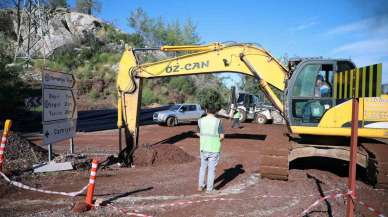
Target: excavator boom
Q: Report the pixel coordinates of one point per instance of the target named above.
(214, 58)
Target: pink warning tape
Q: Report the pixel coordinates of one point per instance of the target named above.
(23, 186)
(371, 209)
(180, 203)
(330, 196)
(185, 202)
(338, 195)
(127, 212)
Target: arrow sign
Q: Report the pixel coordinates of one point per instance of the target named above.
(58, 79)
(58, 104)
(58, 131)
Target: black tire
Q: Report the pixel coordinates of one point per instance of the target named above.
(261, 119)
(243, 117)
(171, 121)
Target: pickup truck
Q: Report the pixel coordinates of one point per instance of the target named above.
(179, 113)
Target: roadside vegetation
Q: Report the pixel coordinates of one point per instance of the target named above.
(94, 61)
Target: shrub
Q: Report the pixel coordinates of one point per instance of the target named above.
(182, 84)
(116, 36)
(93, 94)
(11, 86)
(210, 99)
(148, 97)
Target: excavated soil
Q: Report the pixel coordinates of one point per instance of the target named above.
(163, 154)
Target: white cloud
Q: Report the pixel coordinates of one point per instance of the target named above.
(305, 25)
(351, 27)
(376, 24)
(366, 52)
(369, 46)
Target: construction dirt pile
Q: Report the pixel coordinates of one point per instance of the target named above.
(21, 155)
(160, 154)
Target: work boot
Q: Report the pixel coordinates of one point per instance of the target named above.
(200, 189)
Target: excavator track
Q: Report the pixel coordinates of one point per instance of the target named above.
(274, 162)
(274, 157)
(378, 163)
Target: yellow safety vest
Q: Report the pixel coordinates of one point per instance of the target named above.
(209, 136)
(237, 115)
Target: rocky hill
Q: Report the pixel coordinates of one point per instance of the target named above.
(71, 42)
(50, 31)
(90, 49)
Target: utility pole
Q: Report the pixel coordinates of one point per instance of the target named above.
(353, 150)
(31, 17)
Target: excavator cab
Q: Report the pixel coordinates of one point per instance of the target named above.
(310, 90)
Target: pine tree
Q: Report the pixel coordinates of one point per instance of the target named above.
(88, 6)
(57, 3)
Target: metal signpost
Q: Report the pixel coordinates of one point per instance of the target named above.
(59, 113)
(361, 82)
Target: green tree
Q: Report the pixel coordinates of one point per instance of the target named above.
(57, 3)
(157, 32)
(88, 6)
(182, 84)
(251, 85)
(148, 97)
(210, 99)
(11, 86)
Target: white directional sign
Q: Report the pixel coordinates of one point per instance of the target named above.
(58, 131)
(58, 104)
(58, 79)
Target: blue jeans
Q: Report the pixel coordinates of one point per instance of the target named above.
(209, 160)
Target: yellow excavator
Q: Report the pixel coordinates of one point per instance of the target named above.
(309, 104)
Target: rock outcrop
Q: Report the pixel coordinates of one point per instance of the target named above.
(51, 30)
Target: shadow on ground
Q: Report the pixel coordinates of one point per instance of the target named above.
(228, 175)
(335, 166)
(245, 136)
(110, 200)
(174, 139)
(191, 134)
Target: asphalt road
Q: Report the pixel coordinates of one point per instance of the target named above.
(88, 121)
(106, 119)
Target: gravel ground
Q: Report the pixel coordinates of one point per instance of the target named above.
(152, 189)
(20, 154)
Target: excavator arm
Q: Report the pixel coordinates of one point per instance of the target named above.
(214, 58)
(244, 59)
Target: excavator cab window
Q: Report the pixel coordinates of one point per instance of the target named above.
(245, 99)
(312, 93)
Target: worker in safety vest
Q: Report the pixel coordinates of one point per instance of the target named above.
(211, 134)
(236, 119)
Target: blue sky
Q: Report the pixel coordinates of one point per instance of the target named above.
(356, 29)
